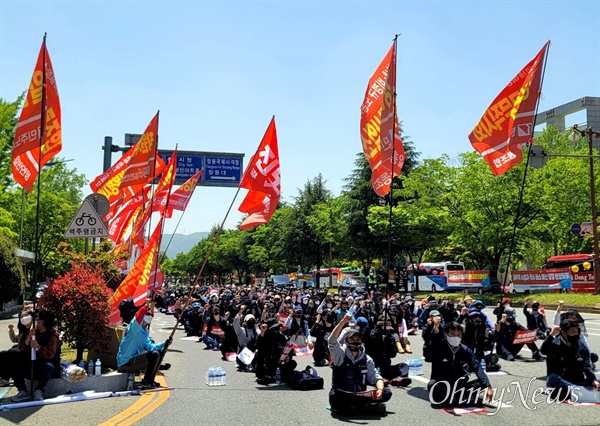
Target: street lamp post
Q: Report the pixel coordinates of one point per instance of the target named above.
(589, 133)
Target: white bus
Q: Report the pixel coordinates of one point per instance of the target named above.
(432, 276)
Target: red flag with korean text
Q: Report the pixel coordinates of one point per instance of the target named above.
(182, 195)
(508, 122)
(26, 156)
(379, 130)
(137, 280)
(119, 224)
(140, 169)
(262, 178)
(163, 189)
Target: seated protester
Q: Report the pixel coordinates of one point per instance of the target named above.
(353, 369)
(310, 312)
(273, 352)
(502, 306)
(298, 331)
(506, 336)
(341, 309)
(568, 360)
(435, 319)
(47, 362)
(247, 334)
(137, 351)
(382, 345)
(269, 312)
(400, 322)
(535, 320)
(480, 306)
(573, 315)
(196, 320)
(11, 359)
(447, 311)
(213, 335)
(479, 339)
(451, 363)
(321, 331)
(229, 343)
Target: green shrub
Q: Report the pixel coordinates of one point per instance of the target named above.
(11, 271)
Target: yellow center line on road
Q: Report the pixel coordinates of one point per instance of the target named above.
(147, 403)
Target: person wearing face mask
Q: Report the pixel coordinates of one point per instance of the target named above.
(137, 351)
(451, 364)
(247, 334)
(573, 315)
(310, 312)
(535, 320)
(299, 328)
(568, 361)
(321, 331)
(341, 309)
(353, 370)
(45, 342)
(502, 306)
(213, 334)
(506, 336)
(479, 339)
(10, 359)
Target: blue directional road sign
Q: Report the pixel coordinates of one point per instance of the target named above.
(220, 168)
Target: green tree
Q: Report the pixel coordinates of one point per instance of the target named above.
(11, 271)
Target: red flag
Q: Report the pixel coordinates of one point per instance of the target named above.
(124, 217)
(27, 142)
(140, 169)
(138, 279)
(508, 122)
(262, 178)
(181, 197)
(390, 141)
(163, 189)
(378, 153)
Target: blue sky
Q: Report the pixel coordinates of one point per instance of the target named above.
(219, 70)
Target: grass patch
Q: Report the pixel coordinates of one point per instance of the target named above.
(571, 299)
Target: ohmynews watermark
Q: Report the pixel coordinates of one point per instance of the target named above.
(530, 397)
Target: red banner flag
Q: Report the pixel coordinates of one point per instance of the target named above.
(140, 169)
(125, 216)
(262, 178)
(378, 152)
(138, 279)
(508, 122)
(26, 147)
(181, 197)
(163, 189)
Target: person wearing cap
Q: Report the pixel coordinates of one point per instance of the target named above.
(479, 338)
(434, 319)
(341, 309)
(382, 344)
(573, 315)
(502, 306)
(274, 351)
(480, 306)
(568, 362)
(213, 334)
(44, 340)
(535, 320)
(247, 332)
(353, 369)
(451, 364)
(137, 351)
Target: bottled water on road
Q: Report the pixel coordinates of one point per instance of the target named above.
(415, 367)
(216, 376)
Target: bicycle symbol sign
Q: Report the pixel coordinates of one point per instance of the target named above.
(86, 223)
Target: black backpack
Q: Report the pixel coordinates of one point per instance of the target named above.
(305, 380)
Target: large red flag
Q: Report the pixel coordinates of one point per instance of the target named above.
(122, 220)
(140, 169)
(138, 278)
(26, 147)
(508, 122)
(262, 178)
(373, 128)
(181, 197)
(163, 189)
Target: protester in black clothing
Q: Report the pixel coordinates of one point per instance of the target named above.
(506, 336)
(568, 361)
(535, 320)
(320, 331)
(451, 363)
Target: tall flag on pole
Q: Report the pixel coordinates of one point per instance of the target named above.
(163, 189)
(508, 122)
(182, 196)
(138, 278)
(140, 169)
(42, 93)
(379, 131)
(262, 178)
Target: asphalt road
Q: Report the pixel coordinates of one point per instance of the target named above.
(242, 401)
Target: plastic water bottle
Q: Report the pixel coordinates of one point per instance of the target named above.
(90, 368)
(278, 376)
(483, 366)
(98, 371)
(419, 367)
(210, 377)
(82, 364)
(130, 382)
(224, 376)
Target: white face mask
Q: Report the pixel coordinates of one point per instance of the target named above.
(147, 319)
(26, 320)
(453, 341)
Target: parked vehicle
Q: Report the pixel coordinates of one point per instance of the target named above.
(281, 280)
(353, 283)
(433, 276)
